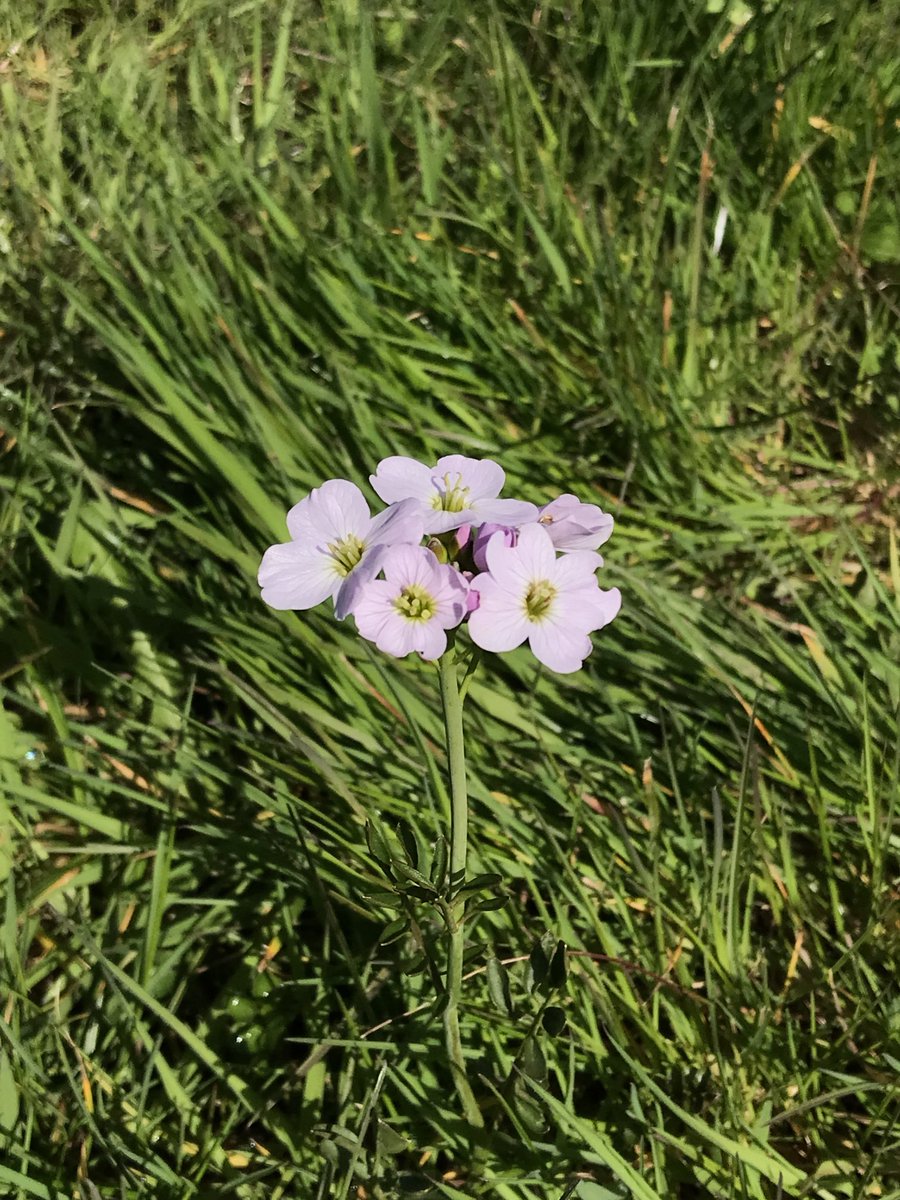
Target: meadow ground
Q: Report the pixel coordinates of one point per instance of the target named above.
(645, 253)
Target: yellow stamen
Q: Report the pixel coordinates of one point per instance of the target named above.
(538, 599)
(347, 553)
(415, 603)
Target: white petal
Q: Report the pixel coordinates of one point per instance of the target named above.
(506, 566)
(611, 602)
(375, 602)
(351, 586)
(397, 636)
(451, 591)
(436, 520)
(329, 513)
(499, 621)
(400, 478)
(576, 569)
(587, 608)
(482, 476)
(561, 504)
(511, 513)
(402, 522)
(576, 526)
(569, 534)
(294, 576)
(430, 639)
(536, 552)
(558, 646)
(405, 565)
(375, 615)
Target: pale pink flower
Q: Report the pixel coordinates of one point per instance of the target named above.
(554, 602)
(575, 526)
(456, 491)
(336, 545)
(418, 600)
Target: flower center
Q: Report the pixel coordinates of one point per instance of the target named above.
(415, 603)
(346, 553)
(454, 497)
(538, 599)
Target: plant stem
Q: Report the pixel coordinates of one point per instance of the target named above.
(455, 911)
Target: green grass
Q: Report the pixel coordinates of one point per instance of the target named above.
(249, 247)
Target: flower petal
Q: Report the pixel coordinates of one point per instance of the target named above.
(505, 565)
(587, 608)
(400, 478)
(405, 565)
(437, 520)
(483, 535)
(397, 637)
(329, 513)
(448, 583)
(611, 602)
(296, 576)
(482, 476)
(576, 569)
(511, 513)
(374, 607)
(576, 526)
(559, 646)
(350, 589)
(498, 623)
(535, 551)
(430, 639)
(451, 591)
(402, 522)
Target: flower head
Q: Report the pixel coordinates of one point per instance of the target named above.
(575, 526)
(529, 592)
(456, 491)
(418, 600)
(336, 545)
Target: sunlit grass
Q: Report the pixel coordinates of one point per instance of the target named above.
(249, 249)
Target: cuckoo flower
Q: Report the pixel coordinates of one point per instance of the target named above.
(418, 600)
(530, 593)
(336, 545)
(575, 526)
(456, 491)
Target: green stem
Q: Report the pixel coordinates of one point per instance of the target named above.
(459, 828)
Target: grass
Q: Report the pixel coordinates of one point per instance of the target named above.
(250, 247)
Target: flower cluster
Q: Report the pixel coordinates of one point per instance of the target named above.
(512, 571)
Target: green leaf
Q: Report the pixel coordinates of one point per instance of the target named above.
(9, 1093)
(498, 985)
(558, 968)
(377, 842)
(538, 966)
(394, 931)
(554, 1020)
(479, 883)
(532, 1061)
(389, 1141)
